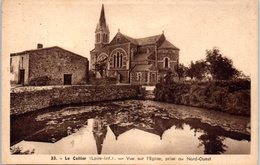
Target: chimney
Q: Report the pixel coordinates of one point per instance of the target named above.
(39, 46)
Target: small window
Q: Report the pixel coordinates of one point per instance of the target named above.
(118, 39)
(139, 76)
(153, 76)
(11, 60)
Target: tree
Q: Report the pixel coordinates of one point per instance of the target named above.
(220, 67)
(180, 70)
(100, 67)
(190, 70)
(197, 70)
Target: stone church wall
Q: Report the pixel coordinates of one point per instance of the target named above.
(161, 67)
(169, 54)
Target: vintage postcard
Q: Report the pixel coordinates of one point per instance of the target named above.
(130, 82)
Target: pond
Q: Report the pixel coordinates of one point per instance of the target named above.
(129, 127)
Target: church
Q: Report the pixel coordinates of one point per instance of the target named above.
(142, 61)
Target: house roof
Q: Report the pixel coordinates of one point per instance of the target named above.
(142, 56)
(46, 48)
(167, 45)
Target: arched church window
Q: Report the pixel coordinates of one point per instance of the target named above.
(98, 37)
(114, 60)
(166, 62)
(118, 59)
(121, 60)
(105, 37)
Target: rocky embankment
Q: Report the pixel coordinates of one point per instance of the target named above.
(227, 96)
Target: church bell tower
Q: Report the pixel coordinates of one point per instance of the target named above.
(102, 31)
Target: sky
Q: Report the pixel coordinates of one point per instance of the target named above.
(193, 26)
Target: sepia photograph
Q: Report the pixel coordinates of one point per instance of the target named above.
(171, 82)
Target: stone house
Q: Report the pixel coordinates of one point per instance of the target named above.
(132, 60)
(52, 65)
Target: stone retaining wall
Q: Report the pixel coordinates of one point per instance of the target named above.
(26, 100)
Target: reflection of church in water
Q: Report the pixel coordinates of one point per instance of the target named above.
(210, 138)
(100, 127)
(135, 61)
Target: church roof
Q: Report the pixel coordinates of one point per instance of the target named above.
(102, 19)
(142, 56)
(167, 45)
(118, 130)
(143, 41)
(160, 126)
(132, 40)
(148, 40)
(102, 25)
(142, 67)
(99, 49)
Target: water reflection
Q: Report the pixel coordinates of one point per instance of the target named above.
(212, 144)
(116, 121)
(99, 132)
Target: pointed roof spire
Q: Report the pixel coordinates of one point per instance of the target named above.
(102, 19)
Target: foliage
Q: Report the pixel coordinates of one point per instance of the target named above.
(18, 150)
(197, 70)
(168, 78)
(231, 96)
(100, 67)
(212, 144)
(180, 70)
(220, 67)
